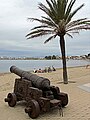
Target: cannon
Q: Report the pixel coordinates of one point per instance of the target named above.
(37, 92)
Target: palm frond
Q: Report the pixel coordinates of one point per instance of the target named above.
(54, 3)
(52, 9)
(50, 38)
(69, 35)
(41, 26)
(50, 20)
(48, 11)
(34, 19)
(69, 8)
(78, 23)
(61, 7)
(43, 8)
(82, 27)
(74, 32)
(39, 31)
(37, 35)
(75, 22)
(42, 21)
(73, 13)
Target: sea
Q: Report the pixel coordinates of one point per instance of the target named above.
(30, 65)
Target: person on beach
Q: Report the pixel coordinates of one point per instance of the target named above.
(34, 70)
(87, 66)
(53, 68)
(49, 69)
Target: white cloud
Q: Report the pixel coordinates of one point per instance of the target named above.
(14, 26)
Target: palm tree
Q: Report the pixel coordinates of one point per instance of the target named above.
(58, 23)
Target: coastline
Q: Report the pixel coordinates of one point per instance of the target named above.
(2, 73)
(38, 64)
(78, 107)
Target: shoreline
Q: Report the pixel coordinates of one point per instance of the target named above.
(30, 65)
(2, 73)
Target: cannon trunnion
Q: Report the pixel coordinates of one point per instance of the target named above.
(36, 92)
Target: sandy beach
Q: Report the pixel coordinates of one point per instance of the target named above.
(78, 90)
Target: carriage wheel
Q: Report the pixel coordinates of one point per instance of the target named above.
(64, 98)
(11, 99)
(33, 110)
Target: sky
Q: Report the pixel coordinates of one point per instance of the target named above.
(14, 26)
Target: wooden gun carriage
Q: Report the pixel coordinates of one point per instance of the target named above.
(36, 92)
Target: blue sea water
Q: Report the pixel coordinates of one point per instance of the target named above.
(36, 64)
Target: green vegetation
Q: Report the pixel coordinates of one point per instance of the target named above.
(58, 23)
(50, 57)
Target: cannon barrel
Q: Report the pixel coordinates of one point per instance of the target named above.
(37, 81)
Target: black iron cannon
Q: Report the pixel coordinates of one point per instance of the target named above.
(38, 82)
(36, 91)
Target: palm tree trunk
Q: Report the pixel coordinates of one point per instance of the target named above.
(62, 45)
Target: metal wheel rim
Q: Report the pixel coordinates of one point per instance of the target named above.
(13, 100)
(35, 109)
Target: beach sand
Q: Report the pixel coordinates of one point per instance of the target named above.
(78, 107)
